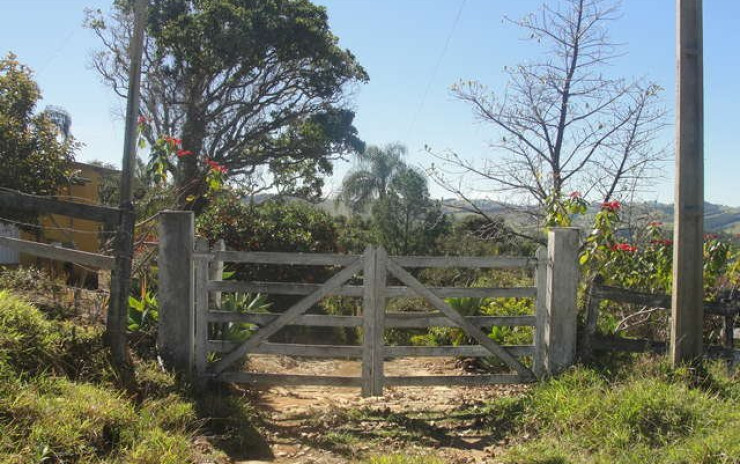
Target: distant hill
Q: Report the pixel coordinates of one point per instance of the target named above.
(717, 218)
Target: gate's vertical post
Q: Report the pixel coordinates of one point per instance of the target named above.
(561, 299)
(216, 272)
(373, 321)
(368, 321)
(175, 336)
(381, 257)
(540, 331)
(201, 310)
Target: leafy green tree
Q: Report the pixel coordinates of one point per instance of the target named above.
(372, 178)
(251, 85)
(35, 154)
(406, 221)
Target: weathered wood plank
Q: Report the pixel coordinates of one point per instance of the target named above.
(621, 295)
(289, 316)
(290, 288)
(464, 261)
(473, 351)
(264, 257)
(469, 328)
(313, 320)
(539, 362)
(289, 380)
(59, 253)
(288, 349)
(423, 320)
(629, 345)
(201, 312)
(43, 205)
(421, 381)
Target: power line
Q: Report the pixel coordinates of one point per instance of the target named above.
(437, 66)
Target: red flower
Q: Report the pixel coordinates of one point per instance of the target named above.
(575, 195)
(172, 141)
(611, 206)
(711, 236)
(217, 167)
(624, 247)
(181, 153)
(664, 242)
(656, 224)
(142, 120)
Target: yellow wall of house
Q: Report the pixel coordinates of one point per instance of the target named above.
(78, 234)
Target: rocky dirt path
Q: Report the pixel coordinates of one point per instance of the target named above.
(328, 425)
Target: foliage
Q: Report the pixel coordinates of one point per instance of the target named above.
(35, 153)
(248, 84)
(270, 226)
(143, 312)
(404, 219)
(373, 176)
(57, 402)
(643, 413)
(645, 263)
(238, 303)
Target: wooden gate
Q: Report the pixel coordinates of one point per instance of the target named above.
(375, 268)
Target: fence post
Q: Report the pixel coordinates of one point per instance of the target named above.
(540, 331)
(175, 336)
(560, 333)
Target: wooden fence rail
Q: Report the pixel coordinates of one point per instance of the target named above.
(597, 292)
(59, 253)
(17, 201)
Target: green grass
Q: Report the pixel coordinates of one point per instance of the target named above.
(58, 401)
(646, 414)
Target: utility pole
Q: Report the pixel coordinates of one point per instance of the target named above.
(688, 286)
(116, 323)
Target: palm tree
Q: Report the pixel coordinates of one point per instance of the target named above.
(373, 176)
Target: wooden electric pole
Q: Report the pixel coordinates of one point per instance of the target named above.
(116, 323)
(688, 287)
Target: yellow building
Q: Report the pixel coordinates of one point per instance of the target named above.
(85, 186)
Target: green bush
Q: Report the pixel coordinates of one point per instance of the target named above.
(643, 413)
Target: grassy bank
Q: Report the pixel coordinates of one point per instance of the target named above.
(59, 402)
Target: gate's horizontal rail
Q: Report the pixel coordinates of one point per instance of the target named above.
(339, 351)
(265, 257)
(464, 261)
(289, 349)
(285, 379)
(392, 320)
(288, 288)
(420, 381)
(423, 320)
(314, 320)
(473, 351)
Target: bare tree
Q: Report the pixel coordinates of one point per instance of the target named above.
(562, 125)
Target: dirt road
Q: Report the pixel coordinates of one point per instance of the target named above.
(328, 425)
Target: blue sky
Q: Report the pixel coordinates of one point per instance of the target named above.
(402, 44)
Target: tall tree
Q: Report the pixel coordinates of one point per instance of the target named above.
(35, 157)
(404, 219)
(248, 84)
(373, 176)
(561, 124)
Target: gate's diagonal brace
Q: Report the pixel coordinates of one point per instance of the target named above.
(289, 316)
(409, 280)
